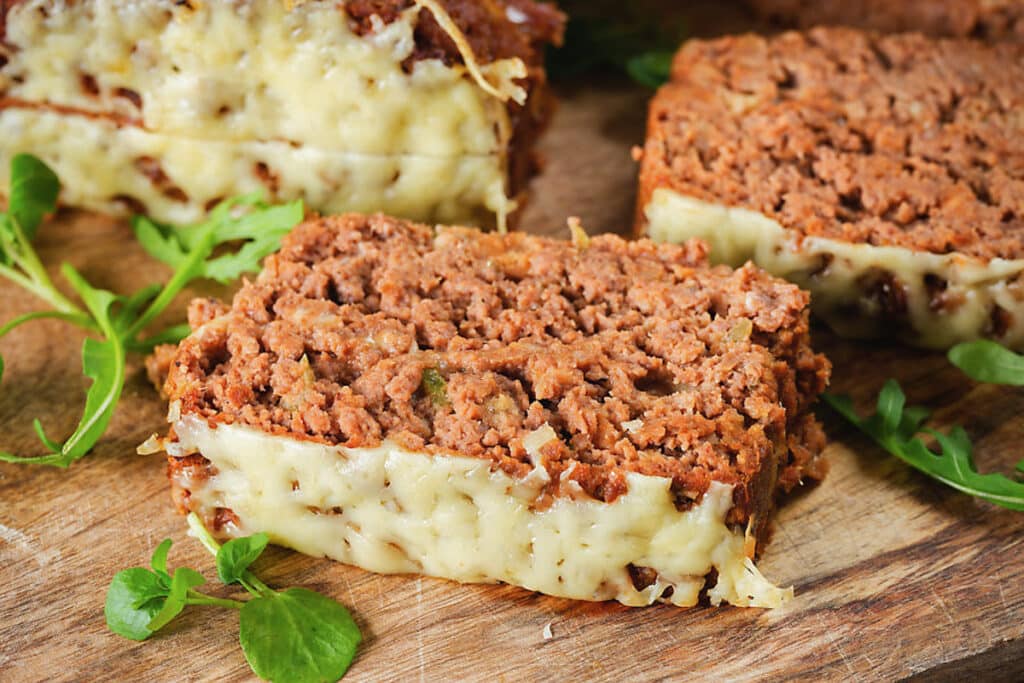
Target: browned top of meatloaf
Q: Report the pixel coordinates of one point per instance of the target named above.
(366, 328)
(986, 19)
(496, 29)
(888, 140)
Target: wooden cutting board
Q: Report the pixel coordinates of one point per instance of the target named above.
(894, 574)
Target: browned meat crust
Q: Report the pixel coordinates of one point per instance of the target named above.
(486, 24)
(365, 328)
(894, 140)
(988, 19)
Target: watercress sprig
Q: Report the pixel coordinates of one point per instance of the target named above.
(894, 426)
(117, 322)
(290, 636)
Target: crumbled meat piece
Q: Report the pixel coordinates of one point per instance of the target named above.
(158, 365)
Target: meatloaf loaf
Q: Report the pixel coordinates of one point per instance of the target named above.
(424, 108)
(597, 419)
(883, 173)
(985, 19)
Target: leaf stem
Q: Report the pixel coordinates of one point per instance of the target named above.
(172, 335)
(48, 293)
(178, 280)
(196, 598)
(200, 532)
(255, 586)
(80, 319)
(38, 281)
(249, 581)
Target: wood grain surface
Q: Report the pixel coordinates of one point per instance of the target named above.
(895, 575)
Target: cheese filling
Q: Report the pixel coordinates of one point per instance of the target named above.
(251, 70)
(207, 76)
(393, 511)
(948, 298)
(99, 166)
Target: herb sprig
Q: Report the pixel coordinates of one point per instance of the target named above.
(117, 322)
(290, 636)
(894, 426)
(987, 361)
(651, 69)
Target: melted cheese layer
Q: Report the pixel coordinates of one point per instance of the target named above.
(225, 86)
(252, 70)
(97, 163)
(394, 511)
(838, 273)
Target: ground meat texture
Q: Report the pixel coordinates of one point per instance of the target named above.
(988, 19)
(641, 357)
(897, 140)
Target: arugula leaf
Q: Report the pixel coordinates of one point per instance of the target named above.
(987, 361)
(34, 190)
(246, 219)
(890, 406)
(104, 363)
(297, 636)
(651, 69)
(133, 599)
(253, 226)
(635, 42)
(894, 427)
(235, 556)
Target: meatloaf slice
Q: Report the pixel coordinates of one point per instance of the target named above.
(425, 108)
(883, 173)
(597, 419)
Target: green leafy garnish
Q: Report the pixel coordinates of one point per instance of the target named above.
(133, 599)
(638, 41)
(117, 321)
(235, 556)
(247, 219)
(297, 635)
(183, 581)
(894, 426)
(650, 68)
(34, 189)
(987, 361)
(290, 636)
